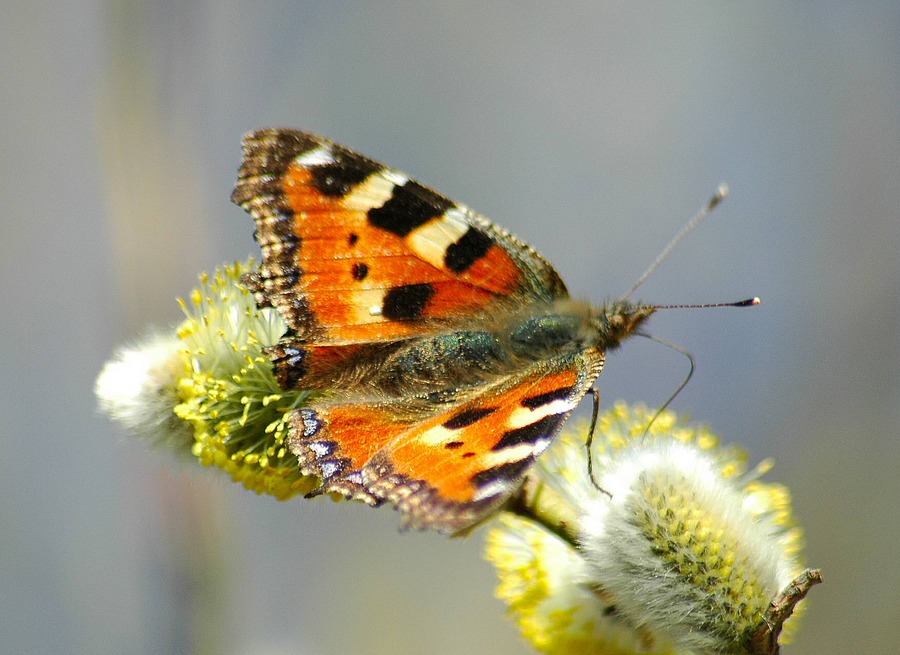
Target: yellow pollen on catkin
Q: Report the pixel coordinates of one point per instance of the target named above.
(229, 394)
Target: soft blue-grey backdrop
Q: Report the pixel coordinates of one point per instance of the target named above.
(592, 130)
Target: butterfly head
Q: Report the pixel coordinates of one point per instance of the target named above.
(618, 319)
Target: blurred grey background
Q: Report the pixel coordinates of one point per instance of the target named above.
(593, 131)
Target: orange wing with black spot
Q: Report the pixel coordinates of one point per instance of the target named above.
(446, 463)
(354, 252)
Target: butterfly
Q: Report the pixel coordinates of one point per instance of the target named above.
(444, 352)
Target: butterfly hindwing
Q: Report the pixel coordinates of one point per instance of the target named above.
(443, 461)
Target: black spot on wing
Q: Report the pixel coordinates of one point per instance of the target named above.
(467, 417)
(533, 402)
(529, 433)
(410, 206)
(338, 178)
(453, 445)
(468, 249)
(509, 472)
(360, 271)
(353, 239)
(406, 302)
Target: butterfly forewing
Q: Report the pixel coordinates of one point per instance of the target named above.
(354, 251)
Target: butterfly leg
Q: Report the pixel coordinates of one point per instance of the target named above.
(589, 442)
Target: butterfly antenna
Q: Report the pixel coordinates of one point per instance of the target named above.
(697, 219)
(748, 302)
(589, 442)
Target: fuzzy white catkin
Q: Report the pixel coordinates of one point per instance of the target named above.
(720, 554)
(137, 388)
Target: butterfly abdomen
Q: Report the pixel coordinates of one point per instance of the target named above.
(540, 336)
(457, 358)
(507, 345)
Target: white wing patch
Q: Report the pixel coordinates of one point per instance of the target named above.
(430, 241)
(374, 191)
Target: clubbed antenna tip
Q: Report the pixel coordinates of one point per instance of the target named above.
(699, 217)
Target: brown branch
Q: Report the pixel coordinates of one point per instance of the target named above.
(765, 640)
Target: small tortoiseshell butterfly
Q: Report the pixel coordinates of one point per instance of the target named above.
(447, 352)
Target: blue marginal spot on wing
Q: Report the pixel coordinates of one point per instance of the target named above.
(310, 421)
(289, 364)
